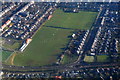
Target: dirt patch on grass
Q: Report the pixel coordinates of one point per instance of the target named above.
(10, 61)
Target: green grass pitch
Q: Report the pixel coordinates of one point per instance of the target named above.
(103, 58)
(48, 42)
(89, 59)
(81, 20)
(5, 55)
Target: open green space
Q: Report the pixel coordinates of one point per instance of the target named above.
(11, 44)
(68, 59)
(118, 47)
(81, 20)
(44, 48)
(103, 58)
(49, 41)
(15, 46)
(89, 59)
(5, 55)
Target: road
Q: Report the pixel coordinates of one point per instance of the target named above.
(60, 67)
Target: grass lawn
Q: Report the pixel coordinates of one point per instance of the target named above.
(11, 44)
(48, 42)
(102, 58)
(16, 45)
(5, 55)
(118, 47)
(44, 48)
(82, 20)
(89, 59)
(67, 59)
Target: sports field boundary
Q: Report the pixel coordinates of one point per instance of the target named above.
(9, 58)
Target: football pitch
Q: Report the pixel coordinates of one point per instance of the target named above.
(52, 37)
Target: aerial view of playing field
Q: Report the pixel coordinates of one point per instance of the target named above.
(81, 20)
(52, 37)
(60, 39)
